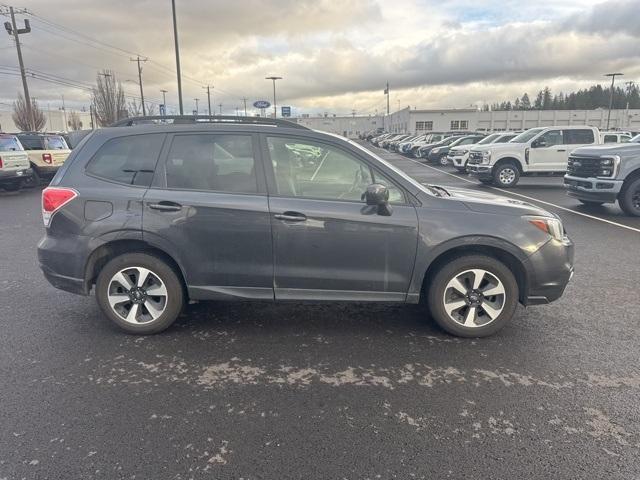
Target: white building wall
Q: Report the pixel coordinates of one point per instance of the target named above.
(349, 127)
(55, 121)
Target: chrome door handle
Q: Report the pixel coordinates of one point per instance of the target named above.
(291, 217)
(166, 206)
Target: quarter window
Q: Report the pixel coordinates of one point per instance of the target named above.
(130, 160)
(314, 170)
(219, 163)
(578, 137)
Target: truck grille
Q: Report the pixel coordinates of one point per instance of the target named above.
(583, 166)
(475, 158)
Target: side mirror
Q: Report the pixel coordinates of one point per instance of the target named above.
(377, 195)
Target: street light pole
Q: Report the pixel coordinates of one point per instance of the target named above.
(196, 99)
(275, 108)
(613, 79)
(164, 100)
(175, 36)
(208, 89)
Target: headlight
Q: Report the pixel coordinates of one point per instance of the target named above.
(549, 225)
(608, 166)
(486, 157)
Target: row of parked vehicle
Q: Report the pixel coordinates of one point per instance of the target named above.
(599, 167)
(28, 159)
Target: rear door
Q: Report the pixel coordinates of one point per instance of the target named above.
(327, 243)
(208, 205)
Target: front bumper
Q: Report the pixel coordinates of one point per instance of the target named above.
(458, 161)
(593, 189)
(17, 174)
(480, 171)
(549, 271)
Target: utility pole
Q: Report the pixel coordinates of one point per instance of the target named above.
(12, 29)
(220, 105)
(244, 99)
(64, 113)
(386, 92)
(208, 89)
(275, 108)
(138, 60)
(353, 113)
(175, 36)
(613, 79)
(196, 99)
(164, 101)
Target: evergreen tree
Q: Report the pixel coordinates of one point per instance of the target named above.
(525, 102)
(539, 100)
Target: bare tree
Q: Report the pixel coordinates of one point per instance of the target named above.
(74, 121)
(21, 115)
(135, 108)
(108, 98)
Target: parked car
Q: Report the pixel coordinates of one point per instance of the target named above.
(459, 155)
(47, 152)
(429, 139)
(423, 152)
(605, 174)
(538, 150)
(615, 137)
(385, 143)
(439, 154)
(14, 163)
(152, 216)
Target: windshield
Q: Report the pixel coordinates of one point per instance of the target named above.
(56, 143)
(10, 144)
(524, 137)
(504, 138)
(488, 139)
(635, 139)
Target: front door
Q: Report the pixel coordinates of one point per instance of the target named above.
(209, 207)
(328, 244)
(548, 152)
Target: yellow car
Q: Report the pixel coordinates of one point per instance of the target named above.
(14, 163)
(47, 152)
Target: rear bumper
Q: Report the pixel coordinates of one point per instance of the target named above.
(47, 170)
(593, 189)
(550, 270)
(63, 261)
(17, 174)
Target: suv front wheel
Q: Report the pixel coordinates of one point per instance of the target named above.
(140, 293)
(506, 175)
(473, 296)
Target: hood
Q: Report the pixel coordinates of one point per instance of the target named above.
(471, 146)
(609, 149)
(495, 147)
(486, 202)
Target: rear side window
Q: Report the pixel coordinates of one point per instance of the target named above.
(578, 137)
(128, 160)
(56, 143)
(9, 144)
(31, 142)
(217, 163)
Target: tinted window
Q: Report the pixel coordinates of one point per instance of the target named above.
(316, 170)
(31, 142)
(56, 143)
(9, 144)
(220, 163)
(129, 160)
(577, 137)
(551, 138)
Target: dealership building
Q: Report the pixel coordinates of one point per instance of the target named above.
(410, 120)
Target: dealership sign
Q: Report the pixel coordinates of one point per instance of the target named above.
(286, 111)
(261, 104)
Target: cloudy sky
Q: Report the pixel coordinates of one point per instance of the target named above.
(335, 56)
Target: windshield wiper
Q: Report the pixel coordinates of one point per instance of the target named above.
(438, 190)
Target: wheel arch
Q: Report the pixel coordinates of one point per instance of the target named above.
(509, 159)
(633, 175)
(492, 248)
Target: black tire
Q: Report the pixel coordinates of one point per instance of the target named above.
(34, 180)
(590, 203)
(12, 186)
(449, 271)
(462, 170)
(629, 198)
(172, 304)
(443, 161)
(506, 175)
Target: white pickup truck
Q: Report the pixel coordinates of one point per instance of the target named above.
(538, 150)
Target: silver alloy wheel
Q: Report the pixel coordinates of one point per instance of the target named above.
(137, 295)
(507, 175)
(474, 298)
(444, 161)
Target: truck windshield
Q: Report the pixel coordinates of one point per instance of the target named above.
(10, 144)
(488, 139)
(524, 137)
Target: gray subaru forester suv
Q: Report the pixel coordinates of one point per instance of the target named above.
(159, 212)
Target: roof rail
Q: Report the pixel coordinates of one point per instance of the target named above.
(187, 119)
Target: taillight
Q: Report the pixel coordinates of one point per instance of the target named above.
(53, 199)
(46, 158)
(1, 165)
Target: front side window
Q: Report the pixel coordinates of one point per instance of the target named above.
(129, 160)
(218, 163)
(315, 170)
(551, 138)
(578, 137)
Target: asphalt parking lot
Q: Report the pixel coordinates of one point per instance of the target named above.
(262, 391)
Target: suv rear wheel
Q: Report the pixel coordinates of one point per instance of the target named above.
(506, 175)
(629, 198)
(473, 296)
(140, 293)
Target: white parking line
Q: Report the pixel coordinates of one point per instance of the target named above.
(633, 229)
